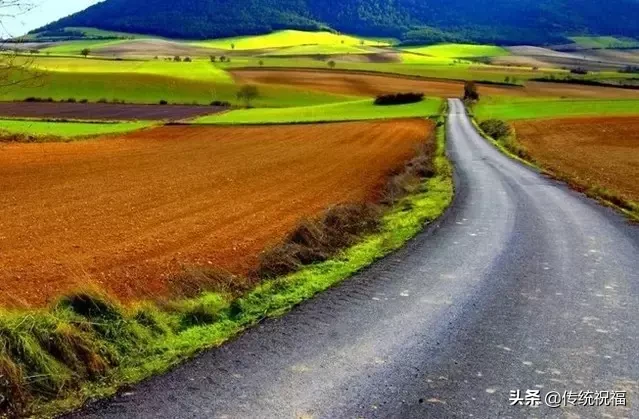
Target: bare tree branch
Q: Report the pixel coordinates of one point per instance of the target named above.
(16, 68)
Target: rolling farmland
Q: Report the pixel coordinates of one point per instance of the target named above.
(591, 152)
(343, 111)
(117, 186)
(122, 214)
(553, 108)
(367, 84)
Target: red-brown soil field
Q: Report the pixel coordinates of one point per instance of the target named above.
(122, 214)
(601, 151)
(366, 84)
(104, 111)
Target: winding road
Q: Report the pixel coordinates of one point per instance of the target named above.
(522, 285)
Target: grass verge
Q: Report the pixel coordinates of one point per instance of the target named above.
(515, 150)
(87, 347)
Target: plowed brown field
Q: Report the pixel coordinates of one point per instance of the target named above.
(366, 84)
(124, 213)
(600, 151)
(99, 111)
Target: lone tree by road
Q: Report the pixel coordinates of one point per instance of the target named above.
(85, 52)
(470, 91)
(247, 94)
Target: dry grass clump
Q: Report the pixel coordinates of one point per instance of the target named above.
(193, 281)
(316, 240)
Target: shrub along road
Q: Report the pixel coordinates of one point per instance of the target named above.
(524, 284)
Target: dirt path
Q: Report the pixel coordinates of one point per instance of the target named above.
(122, 213)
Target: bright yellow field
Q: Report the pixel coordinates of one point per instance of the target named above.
(196, 70)
(460, 50)
(287, 38)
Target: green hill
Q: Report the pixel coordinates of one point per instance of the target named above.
(417, 21)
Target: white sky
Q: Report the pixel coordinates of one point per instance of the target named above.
(45, 11)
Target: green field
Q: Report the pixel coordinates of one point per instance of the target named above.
(196, 70)
(76, 47)
(286, 38)
(603, 42)
(345, 111)
(459, 50)
(67, 129)
(513, 109)
(321, 49)
(150, 88)
(414, 65)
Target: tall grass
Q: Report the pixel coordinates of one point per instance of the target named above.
(87, 346)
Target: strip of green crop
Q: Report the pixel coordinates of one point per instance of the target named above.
(131, 344)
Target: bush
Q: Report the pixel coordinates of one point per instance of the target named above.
(71, 100)
(496, 128)
(195, 281)
(221, 103)
(630, 69)
(471, 93)
(398, 99)
(164, 102)
(247, 94)
(409, 180)
(316, 240)
(103, 100)
(84, 101)
(579, 70)
(188, 60)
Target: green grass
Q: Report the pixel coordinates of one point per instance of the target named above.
(344, 111)
(286, 38)
(513, 109)
(459, 50)
(67, 129)
(127, 345)
(603, 42)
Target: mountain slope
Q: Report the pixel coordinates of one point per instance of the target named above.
(502, 21)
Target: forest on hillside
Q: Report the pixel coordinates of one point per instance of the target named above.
(413, 21)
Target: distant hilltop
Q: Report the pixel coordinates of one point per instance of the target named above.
(505, 22)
